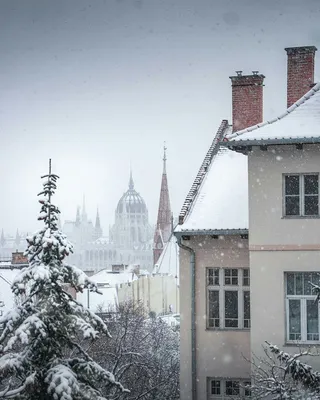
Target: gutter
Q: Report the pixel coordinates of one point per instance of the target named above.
(221, 232)
(269, 142)
(193, 317)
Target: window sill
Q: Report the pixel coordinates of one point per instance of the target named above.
(228, 329)
(300, 217)
(302, 344)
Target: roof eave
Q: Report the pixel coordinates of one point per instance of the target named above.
(269, 142)
(208, 232)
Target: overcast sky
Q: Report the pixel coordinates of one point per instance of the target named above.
(97, 85)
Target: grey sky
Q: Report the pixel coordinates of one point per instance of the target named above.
(97, 85)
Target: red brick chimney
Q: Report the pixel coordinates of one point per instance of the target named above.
(300, 75)
(247, 100)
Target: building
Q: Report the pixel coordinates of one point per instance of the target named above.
(9, 269)
(129, 240)
(164, 221)
(249, 233)
(10, 244)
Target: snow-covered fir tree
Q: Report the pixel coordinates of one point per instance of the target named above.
(40, 354)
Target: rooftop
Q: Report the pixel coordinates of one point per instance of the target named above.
(220, 192)
(299, 124)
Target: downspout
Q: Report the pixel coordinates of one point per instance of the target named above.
(193, 317)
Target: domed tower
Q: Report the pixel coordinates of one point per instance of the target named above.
(131, 229)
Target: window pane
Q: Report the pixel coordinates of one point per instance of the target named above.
(216, 276)
(315, 278)
(290, 283)
(294, 320)
(312, 320)
(231, 308)
(215, 387)
(247, 389)
(311, 184)
(209, 276)
(246, 309)
(292, 205)
(307, 278)
(292, 184)
(246, 277)
(299, 286)
(213, 309)
(232, 388)
(227, 277)
(311, 205)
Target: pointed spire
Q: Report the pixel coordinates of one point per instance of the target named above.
(97, 229)
(164, 222)
(164, 159)
(131, 184)
(2, 240)
(97, 219)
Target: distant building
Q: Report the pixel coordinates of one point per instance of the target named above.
(129, 240)
(164, 220)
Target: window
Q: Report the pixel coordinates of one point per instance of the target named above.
(228, 298)
(301, 195)
(220, 389)
(302, 311)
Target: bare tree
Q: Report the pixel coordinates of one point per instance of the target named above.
(281, 376)
(143, 353)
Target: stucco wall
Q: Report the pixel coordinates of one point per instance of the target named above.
(219, 352)
(266, 169)
(277, 244)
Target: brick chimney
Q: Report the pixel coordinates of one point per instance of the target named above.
(300, 75)
(247, 100)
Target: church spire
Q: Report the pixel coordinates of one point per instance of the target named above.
(163, 227)
(131, 184)
(97, 228)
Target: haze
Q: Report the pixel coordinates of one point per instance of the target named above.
(102, 84)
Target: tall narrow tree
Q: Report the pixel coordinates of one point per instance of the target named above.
(40, 356)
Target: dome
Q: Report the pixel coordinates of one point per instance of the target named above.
(131, 201)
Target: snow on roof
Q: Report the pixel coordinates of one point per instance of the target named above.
(99, 302)
(168, 262)
(222, 200)
(300, 121)
(7, 299)
(113, 278)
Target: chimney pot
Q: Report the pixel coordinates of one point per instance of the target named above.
(239, 73)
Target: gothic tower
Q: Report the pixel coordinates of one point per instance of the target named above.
(97, 228)
(163, 227)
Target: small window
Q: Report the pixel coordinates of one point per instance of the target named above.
(213, 276)
(246, 277)
(301, 195)
(301, 308)
(231, 277)
(232, 388)
(216, 387)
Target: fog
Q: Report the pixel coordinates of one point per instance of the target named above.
(100, 85)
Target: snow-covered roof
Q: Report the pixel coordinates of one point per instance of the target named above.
(299, 124)
(106, 301)
(113, 278)
(168, 262)
(7, 299)
(222, 200)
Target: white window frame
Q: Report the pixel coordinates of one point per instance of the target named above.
(221, 287)
(303, 298)
(301, 195)
(223, 396)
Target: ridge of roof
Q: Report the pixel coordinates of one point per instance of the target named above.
(213, 149)
(233, 136)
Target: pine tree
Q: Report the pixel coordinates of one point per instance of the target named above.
(40, 356)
